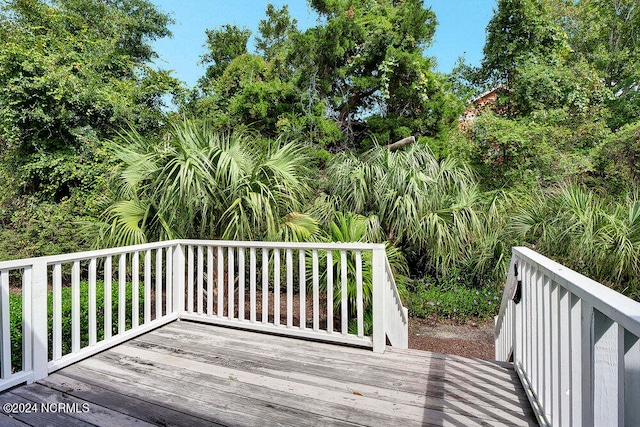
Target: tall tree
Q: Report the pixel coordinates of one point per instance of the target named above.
(275, 31)
(520, 29)
(367, 59)
(73, 73)
(224, 44)
(608, 35)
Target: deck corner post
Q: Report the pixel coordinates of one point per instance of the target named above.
(378, 299)
(178, 279)
(39, 324)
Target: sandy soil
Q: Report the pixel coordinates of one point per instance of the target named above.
(474, 339)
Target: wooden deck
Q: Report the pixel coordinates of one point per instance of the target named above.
(190, 374)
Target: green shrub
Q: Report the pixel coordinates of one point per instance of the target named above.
(15, 302)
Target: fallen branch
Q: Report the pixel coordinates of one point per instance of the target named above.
(399, 144)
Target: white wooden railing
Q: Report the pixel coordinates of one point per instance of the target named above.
(310, 290)
(574, 344)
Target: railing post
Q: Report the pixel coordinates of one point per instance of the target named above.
(378, 276)
(39, 336)
(178, 279)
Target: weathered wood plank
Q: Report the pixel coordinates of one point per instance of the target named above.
(427, 391)
(187, 373)
(392, 356)
(284, 348)
(36, 418)
(218, 401)
(129, 405)
(10, 421)
(350, 403)
(92, 414)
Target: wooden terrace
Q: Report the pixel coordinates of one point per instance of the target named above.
(190, 333)
(193, 374)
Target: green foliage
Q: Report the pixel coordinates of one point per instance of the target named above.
(525, 152)
(453, 300)
(608, 34)
(224, 44)
(431, 209)
(15, 302)
(368, 56)
(76, 67)
(520, 29)
(618, 158)
(73, 73)
(197, 183)
(585, 231)
(275, 31)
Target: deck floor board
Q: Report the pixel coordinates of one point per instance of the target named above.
(193, 374)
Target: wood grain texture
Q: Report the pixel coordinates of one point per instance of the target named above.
(187, 373)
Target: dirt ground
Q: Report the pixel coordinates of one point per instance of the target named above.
(475, 339)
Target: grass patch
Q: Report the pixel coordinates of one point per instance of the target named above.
(453, 301)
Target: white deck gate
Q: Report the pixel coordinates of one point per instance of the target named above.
(573, 342)
(221, 282)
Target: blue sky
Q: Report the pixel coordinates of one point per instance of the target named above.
(461, 29)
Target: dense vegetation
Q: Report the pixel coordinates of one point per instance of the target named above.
(289, 142)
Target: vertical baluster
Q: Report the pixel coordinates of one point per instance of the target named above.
(200, 279)
(526, 332)
(122, 278)
(135, 289)
(575, 307)
(344, 303)
(108, 295)
(608, 356)
(27, 360)
(316, 290)
(5, 326)
(564, 314)
(210, 280)
(265, 285)
(359, 295)
(329, 291)
(276, 286)
(540, 315)
(252, 284)
(75, 306)
(289, 287)
(158, 283)
(190, 279)
(631, 374)
(241, 283)
(147, 286)
(303, 288)
(554, 352)
(220, 280)
(546, 346)
(57, 311)
(92, 301)
(231, 282)
(169, 280)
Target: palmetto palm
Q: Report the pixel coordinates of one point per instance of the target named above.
(572, 225)
(426, 206)
(199, 183)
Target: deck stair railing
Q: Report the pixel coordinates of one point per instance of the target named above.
(573, 342)
(335, 292)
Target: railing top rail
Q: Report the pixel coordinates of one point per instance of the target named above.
(506, 296)
(78, 256)
(394, 287)
(354, 246)
(619, 308)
